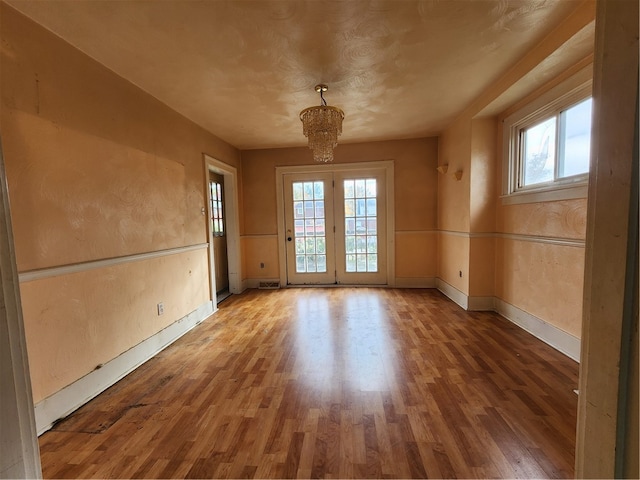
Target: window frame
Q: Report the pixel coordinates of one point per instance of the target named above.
(551, 104)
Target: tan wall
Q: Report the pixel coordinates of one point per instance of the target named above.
(415, 256)
(542, 279)
(453, 260)
(415, 186)
(517, 253)
(79, 321)
(258, 251)
(534, 274)
(482, 254)
(482, 198)
(561, 219)
(97, 169)
(453, 195)
(453, 206)
(482, 206)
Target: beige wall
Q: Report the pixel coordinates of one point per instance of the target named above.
(534, 270)
(415, 187)
(453, 195)
(97, 170)
(530, 256)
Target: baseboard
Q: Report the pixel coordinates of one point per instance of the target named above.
(73, 396)
(419, 282)
(453, 293)
(559, 339)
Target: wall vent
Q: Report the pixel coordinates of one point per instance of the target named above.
(269, 285)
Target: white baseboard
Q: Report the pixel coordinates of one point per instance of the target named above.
(73, 396)
(410, 282)
(558, 339)
(453, 293)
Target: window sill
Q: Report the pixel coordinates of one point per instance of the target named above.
(553, 193)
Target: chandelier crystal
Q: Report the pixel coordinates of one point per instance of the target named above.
(322, 125)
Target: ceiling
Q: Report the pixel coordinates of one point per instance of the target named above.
(244, 69)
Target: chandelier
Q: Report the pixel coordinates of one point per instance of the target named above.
(322, 125)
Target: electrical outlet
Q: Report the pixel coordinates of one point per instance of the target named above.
(261, 264)
(460, 273)
(160, 308)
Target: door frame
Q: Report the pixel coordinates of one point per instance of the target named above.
(234, 258)
(386, 165)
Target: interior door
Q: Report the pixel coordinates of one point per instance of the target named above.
(219, 232)
(309, 228)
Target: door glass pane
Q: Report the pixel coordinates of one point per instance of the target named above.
(217, 210)
(351, 263)
(360, 211)
(309, 226)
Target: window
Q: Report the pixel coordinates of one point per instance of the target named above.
(557, 147)
(217, 210)
(547, 145)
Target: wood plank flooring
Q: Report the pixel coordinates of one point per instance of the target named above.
(332, 383)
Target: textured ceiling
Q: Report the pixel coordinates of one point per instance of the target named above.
(244, 69)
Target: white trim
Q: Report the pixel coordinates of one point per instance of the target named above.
(551, 335)
(73, 396)
(390, 182)
(457, 233)
(465, 301)
(565, 242)
(20, 455)
(415, 282)
(562, 341)
(234, 249)
(416, 232)
(453, 293)
(282, 247)
(107, 262)
(334, 167)
(552, 194)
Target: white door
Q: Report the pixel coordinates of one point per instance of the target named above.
(361, 242)
(309, 232)
(335, 227)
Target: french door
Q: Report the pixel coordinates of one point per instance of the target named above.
(335, 227)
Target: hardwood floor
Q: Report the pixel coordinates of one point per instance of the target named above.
(328, 383)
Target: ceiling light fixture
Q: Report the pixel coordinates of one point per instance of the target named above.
(322, 125)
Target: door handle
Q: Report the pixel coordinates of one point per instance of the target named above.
(288, 239)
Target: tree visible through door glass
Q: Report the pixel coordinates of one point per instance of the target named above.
(361, 228)
(309, 226)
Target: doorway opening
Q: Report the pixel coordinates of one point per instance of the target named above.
(223, 230)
